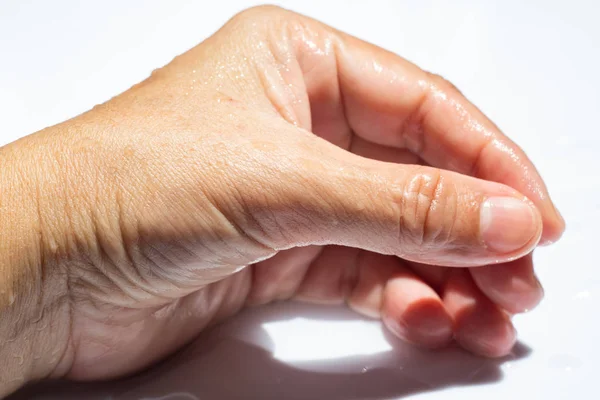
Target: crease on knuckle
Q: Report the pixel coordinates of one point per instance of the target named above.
(427, 202)
(434, 89)
(442, 83)
(412, 129)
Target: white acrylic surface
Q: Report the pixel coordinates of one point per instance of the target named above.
(532, 66)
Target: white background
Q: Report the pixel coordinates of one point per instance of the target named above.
(532, 66)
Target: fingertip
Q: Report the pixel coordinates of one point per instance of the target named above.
(495, 340)
(554, 227)
(513, 286)
(424, 323)
(480, 326)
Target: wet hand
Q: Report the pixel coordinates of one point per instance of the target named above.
(281, 159)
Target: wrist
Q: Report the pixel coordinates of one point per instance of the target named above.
(34, 307)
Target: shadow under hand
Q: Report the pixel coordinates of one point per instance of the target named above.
(240, 359)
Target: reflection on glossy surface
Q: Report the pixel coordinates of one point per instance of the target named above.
(331, 340)
(257, 355)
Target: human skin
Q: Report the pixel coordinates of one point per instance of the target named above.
(279, 159)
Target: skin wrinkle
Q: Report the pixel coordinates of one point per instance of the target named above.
(433, 201)
(270, 247)
(133, 280)
(108, 259)
(454, 217)
(164, 265)
(473, 169)
(412, 126)
(135, 277)
(337, 51)
(285, 99)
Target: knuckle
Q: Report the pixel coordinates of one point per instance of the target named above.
(261, 9)
(442, 83)
(428, 209)
(260, 31)
(262, 14)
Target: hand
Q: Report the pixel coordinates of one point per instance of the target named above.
(280, 159)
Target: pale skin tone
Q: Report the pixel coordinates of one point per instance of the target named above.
(279, 159)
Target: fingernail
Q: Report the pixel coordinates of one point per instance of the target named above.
(507, 223)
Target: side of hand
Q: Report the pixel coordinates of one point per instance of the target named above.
(278, 159)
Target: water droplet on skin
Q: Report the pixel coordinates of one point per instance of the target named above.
(193, 71)
(377, 67)
(565, 362)
(360, 206)
(20, 357)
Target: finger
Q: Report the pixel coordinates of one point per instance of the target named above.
(279, 277)
(434, 275)
(513, 285)
(374, 151)
(331, 276)
(390, 101)
(386, 288)
(373, 271)
(322, 194)
(480, 326)
(377, 286)
(413, 311)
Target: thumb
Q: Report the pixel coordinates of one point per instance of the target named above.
(330, 196)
